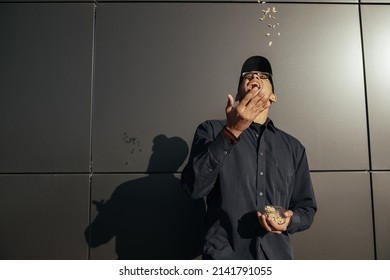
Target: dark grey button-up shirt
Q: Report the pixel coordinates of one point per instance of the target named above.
(266, 167)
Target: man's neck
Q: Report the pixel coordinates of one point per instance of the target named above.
(262, 118)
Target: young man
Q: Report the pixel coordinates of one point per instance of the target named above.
(243, 164)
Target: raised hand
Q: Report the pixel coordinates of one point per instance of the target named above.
(239, 118)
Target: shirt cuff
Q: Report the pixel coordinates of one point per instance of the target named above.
(229, 135)
(296, 221)
(220, 148)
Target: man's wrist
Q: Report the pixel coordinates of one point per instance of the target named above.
(235, 132)
(233, 135)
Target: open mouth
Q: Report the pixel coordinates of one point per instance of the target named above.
(254, 84)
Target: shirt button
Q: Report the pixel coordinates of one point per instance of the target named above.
(225, 153)
(260, 193)
(262, 154)
(257, 135)
(261, 173)
(210, 170)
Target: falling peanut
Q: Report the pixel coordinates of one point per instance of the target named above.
(268, 16)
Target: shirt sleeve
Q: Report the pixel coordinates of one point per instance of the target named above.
(303, 202)
(209, 149)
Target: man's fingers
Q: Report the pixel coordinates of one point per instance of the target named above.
(264, 105)
(263, 221)
(268, 224)
(259, 102)
(230, 104)
(288, 214)
(249, 96)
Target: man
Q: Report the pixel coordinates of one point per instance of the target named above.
(243, 164)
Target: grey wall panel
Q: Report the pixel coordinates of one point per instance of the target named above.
(319, 81)
(238, 1)
(343, 227)
(43, 216)
(381, 191)
(144, 217)
(376, 34)
(375, 1)
(179, 1)
(161, 69)
(163, 77)
(45, 78)
(168, 75)
(44, 1)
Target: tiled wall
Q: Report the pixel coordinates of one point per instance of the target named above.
(99, 102)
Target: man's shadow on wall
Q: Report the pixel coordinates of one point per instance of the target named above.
(152, 217)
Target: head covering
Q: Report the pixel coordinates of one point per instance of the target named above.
(257, 63)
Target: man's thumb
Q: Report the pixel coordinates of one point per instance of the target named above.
(230, 103)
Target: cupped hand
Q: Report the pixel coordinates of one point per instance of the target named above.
(271, 226)
(240, 117)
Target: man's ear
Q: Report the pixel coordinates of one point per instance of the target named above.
(273, 97)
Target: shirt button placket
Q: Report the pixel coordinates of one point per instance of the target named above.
(261, 174)
(260, 177)
(261, 191)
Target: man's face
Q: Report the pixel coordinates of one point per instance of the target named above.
(254, 80)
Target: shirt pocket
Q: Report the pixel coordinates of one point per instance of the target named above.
(280, 182)
(285, 173)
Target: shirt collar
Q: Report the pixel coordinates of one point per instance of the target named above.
(268, 125)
